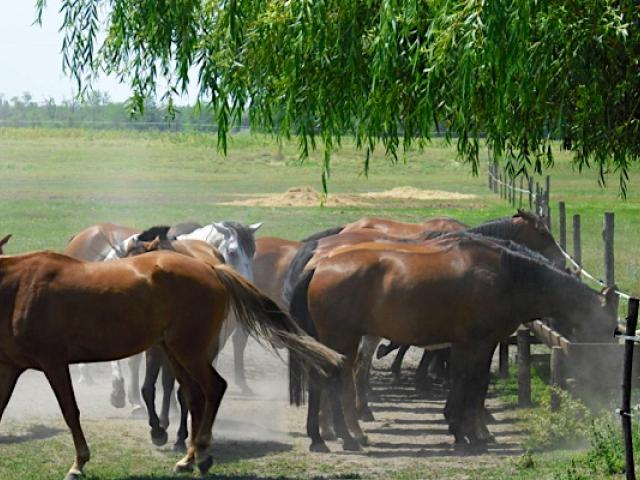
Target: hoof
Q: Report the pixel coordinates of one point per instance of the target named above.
(118, 398)
(159, 437)
(205, 465)
(366, 415)
(180, 447)
(164, 423)
(73, 475)
(319, 447)
(183, 467)
(138, 412)
(351, 445)
(364, 441)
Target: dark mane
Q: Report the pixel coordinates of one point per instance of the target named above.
(296, 268)
(498, 228)
(152, 233)
(324, 233)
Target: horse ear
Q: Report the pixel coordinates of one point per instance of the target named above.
(223, 229)
(610, 298)
(255, 226)
(5, 239)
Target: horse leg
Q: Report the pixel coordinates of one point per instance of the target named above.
(480, 433)
(240, 339)
(168, 382)
(454, 408)
(421, 379)
(60, 381)
(194, 399)
(348, 397)
(313, 415)
(325, 416)
(133, 392)
(183, 430)
(85, 375)
(153, 362)
(117, 385)
(362, 367)
(8, 378)
(384, 350)
(397, 363)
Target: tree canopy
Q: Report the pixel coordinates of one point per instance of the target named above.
(519, 72)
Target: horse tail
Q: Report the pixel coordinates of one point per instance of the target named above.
(263, 320)
(329, 232)
(296, 268)
(299, 311)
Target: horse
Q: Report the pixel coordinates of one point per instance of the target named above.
(108, 241)
(524, 228)
(57, 310)
(405, 229)
(271, 264)
(155, 359)
(475, 293)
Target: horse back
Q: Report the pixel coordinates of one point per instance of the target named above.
(94, 242)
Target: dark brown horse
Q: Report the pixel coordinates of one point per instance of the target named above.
(56, 310)
(462, 290)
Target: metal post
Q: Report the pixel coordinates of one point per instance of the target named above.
(524, 368)
(607, 235)
(625, 408)
(562, 219)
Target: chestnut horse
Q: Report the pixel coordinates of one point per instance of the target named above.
(271, 264)
(57, 310)
(462, 290)
(156, 360)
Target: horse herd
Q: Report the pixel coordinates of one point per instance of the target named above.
(177, 293)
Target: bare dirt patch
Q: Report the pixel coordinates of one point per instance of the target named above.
(306, 196)
(409, 431)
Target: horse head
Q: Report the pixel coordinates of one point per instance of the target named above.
(3, 242)
(532, 231)
(138, 247)
(238, 245)
(597, 323)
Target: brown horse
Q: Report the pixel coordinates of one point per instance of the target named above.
(270, 265)
(463, 290)
(405, 229)
(56, 310)
(155, 358)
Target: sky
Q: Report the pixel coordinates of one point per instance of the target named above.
(30, 58)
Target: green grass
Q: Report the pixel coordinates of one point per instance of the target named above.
(57, 182)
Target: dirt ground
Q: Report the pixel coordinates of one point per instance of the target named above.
(409, 428)
(306, 196)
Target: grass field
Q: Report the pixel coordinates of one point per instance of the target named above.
(57, 182)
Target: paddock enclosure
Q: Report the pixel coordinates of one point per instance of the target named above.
(56, 182)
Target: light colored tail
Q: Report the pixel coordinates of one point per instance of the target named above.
(263, 320)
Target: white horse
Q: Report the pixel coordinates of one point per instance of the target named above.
(236, 243)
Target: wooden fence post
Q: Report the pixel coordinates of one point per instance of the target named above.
(538, 199)
(625, 408)
(503, 358)
(521, 189)
(562, 219)
(577, 246)
(530, 193)
(557, 376)
(501, 185)
(607, 235)
(547, 201)
(524, 368)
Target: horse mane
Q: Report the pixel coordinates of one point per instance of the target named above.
(296, 269)
(159, 231)
(323, 234)
(498, 228)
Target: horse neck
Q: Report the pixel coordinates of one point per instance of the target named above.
(501, 228)
(540, 291)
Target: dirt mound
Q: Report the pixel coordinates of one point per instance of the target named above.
(412, 193)
(306, 196)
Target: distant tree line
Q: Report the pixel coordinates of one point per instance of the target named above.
(97, 111)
